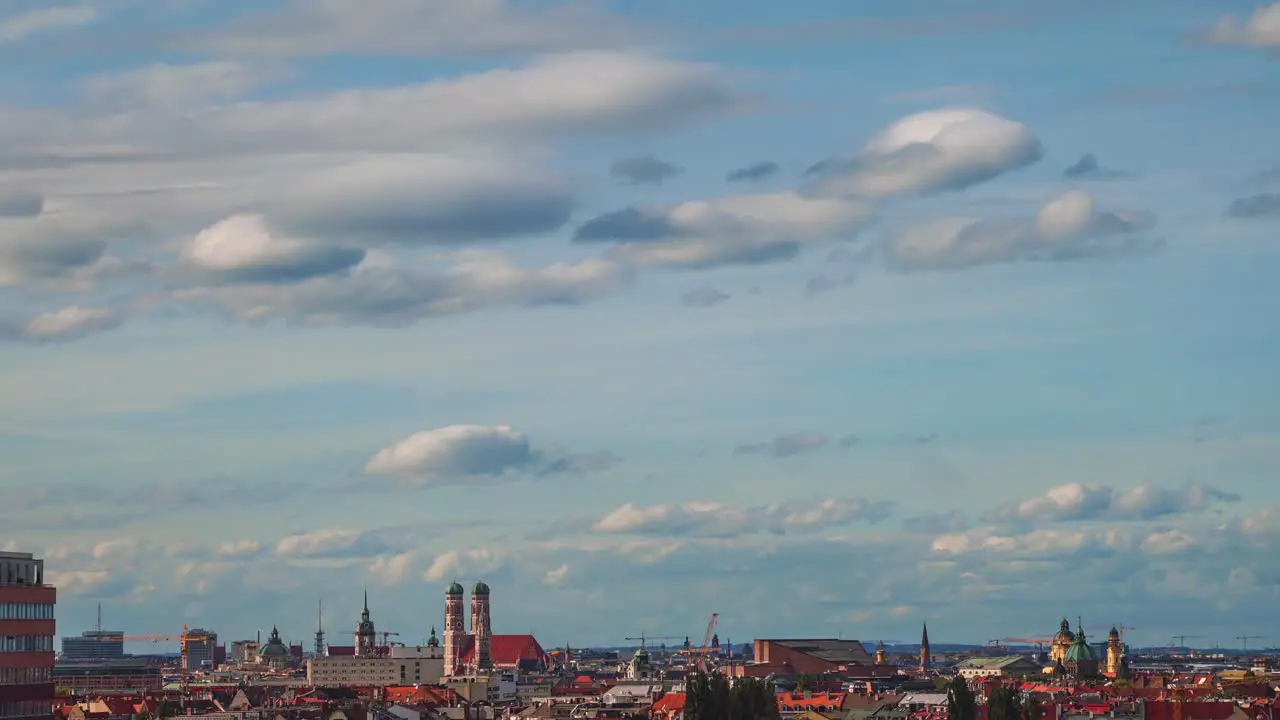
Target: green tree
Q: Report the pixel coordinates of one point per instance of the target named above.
(1004, 704)
(712, 697)
(804, 683)
(142, 715)
(960, 700)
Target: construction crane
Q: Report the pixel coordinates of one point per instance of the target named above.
(1038, 642)
(1182, 640)
(644, 638)
(1244, 640)
(706, 642)
(184, 666)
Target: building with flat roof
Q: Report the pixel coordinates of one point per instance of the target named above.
(129, 676)
(93, 645)
(27, 630)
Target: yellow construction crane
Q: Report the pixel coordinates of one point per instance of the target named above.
(706, 642)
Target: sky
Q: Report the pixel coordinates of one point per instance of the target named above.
(832, 317)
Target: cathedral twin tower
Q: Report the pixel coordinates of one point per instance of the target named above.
(464, 650)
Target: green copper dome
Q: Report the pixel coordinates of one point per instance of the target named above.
(454, 589)
(480, 589)
(1080, 651)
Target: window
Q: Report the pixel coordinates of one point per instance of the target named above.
(26, 643)
(26, 611)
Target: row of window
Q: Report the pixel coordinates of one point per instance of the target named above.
(24, 676)
(25, 708)
(26, 643)
(26, 611)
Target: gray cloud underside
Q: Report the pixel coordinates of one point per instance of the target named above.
(1087, 168)
(21, 205)
(643, 170)
(756, 171)
(703, 297)
(1256, 206)
(784, 445)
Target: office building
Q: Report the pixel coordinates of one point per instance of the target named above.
(27, 630)
(93, 645)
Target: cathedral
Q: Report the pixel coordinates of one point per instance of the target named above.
(467, 651)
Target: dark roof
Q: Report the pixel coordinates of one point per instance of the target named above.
(832, 650)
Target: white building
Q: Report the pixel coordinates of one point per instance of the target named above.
(422, 665)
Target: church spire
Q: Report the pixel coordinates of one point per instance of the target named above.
(925, 658)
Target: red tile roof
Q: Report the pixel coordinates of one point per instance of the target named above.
(507, 650)
(672, 702)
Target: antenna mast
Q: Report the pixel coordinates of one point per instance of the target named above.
(319, 649)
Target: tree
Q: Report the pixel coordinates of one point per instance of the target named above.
(960, 701)
(142, 714)
(1004, 704)
(804, 683)
(709, 696)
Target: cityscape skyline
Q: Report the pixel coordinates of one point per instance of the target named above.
(828, 317)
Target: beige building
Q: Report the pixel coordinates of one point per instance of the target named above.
(405, 666)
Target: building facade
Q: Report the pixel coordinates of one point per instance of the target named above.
(93, 645)
(200, 648)
(404, 666)
(126, 677)
(27, 631)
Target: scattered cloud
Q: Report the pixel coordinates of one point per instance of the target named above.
(1068, 227)
(1255, 206)
(1087, 168)
(822, 284)
(453, 564)
(380, 293)
(784, 445)
(424, 200)
(240, 249)
(1079, 502)
(931, 152)
(557, 575)
(475, 453)
(34, 22)
(712, 519)
(65, 324)
(734, 230)
(392, 569)
(705, 296)
(333, 543)
(239, 549)
(1260, 29)
(643, 170)
(753, 172)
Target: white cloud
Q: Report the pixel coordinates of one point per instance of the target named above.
(1168, 542)
(331, 542)
(712, 519)
(454, 564)
(242, 249)
(1261, 29)
(67, 323)
(1081, 501)
(933, 151)
(239, 549)
(556, 576)
(392, 569)
(1039, 543)
(455, 451)
(1068, 227)
(737, 229)
(23, 25)
(554, 96)
(77, 582)
(377, 292)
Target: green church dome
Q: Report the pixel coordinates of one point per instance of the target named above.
(454, 589)
(1080, 651)
(480, 589)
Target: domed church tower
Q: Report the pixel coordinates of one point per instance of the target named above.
(481, 626)
(455, 629)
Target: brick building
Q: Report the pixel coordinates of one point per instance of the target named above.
(26, 638)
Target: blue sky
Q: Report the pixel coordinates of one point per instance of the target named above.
(295, 301)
